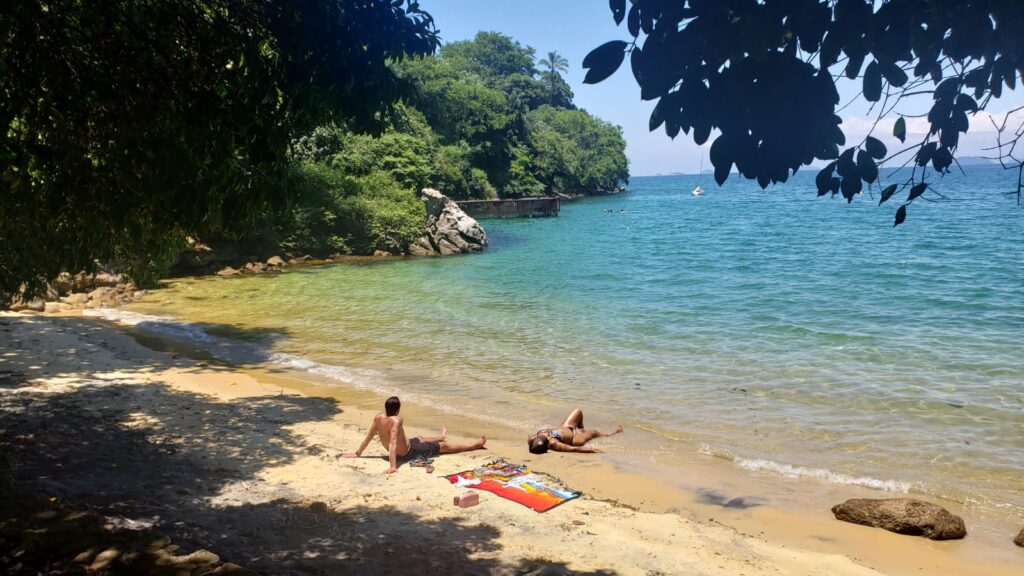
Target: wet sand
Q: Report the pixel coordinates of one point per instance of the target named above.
(243, 461)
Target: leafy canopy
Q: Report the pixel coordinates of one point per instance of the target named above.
(479, 97)
(763, 74)
(127, 125)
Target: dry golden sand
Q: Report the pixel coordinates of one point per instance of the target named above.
(245, 463)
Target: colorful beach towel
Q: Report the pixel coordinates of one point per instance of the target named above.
(517, 483)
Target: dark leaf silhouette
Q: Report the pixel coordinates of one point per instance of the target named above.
(845, 165)
(823, 180)
(899, 130)
(916, 190)
(887, 193)
(851, 187)
(875, 148)
(894, 74)
(872, 82)
(603, 61)
(866, 167)
(618, 9)
(924, 155)
(901, 215)
(633, 22)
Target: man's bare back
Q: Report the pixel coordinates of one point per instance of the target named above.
(389, 426)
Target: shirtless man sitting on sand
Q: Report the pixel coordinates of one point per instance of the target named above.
(388, 425)
(569, 437)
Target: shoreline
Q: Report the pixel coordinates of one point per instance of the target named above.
(708, 497)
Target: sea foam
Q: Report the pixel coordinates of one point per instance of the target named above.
(234, 351)
(819, 474)
(823, 475)
(156, 324)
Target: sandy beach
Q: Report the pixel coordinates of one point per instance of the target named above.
(245, 463)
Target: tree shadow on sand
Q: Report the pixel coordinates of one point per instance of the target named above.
(119, 450)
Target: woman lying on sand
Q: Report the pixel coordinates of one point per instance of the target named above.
(569, 437)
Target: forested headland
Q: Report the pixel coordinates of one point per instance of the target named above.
(484, 120)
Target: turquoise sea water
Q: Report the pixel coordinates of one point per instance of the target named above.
(786, 333)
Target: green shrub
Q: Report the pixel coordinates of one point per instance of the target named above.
(337, 212)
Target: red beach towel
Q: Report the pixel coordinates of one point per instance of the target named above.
(517, 483)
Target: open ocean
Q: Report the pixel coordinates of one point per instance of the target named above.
(784, 333)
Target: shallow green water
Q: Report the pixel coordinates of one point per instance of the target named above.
(789, 334)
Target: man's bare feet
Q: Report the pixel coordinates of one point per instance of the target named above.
(480, 443)
(618, 429)
(444, 433)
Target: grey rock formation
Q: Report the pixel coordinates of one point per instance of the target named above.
(449, 229)
(903, 516)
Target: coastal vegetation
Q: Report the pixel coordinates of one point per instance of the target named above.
(129, 128)
(763, 76)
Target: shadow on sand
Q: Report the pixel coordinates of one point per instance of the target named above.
(116, 450)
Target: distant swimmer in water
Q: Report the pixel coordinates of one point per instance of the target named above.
(571, 436)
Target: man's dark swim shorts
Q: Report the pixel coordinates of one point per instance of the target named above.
(418, 448)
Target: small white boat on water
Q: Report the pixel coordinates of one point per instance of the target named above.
(700, 175)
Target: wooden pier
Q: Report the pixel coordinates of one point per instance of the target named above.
(510, 208)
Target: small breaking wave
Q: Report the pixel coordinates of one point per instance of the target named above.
(233, 351)
(819, 474)
(358, 377)
(823, 475)
(157, 324)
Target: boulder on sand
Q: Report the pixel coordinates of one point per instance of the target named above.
(449, 229)
(903, 516)
(64, 283)
(77, 299)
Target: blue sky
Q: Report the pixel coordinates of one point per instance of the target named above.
(574, 27)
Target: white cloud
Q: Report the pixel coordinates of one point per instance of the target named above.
(859, 126)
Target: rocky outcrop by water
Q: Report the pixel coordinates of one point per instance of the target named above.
(903, 516)
(449, 229)
(82, 290)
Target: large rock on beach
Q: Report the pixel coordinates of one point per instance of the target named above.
(33, 305)
(449, 229)
(276, 262)
(85, 282)
(77, 299)
(103, 297)
(64, 283)
(1019, 540)
(903, 516)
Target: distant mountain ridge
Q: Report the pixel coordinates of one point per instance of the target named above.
(975, 161)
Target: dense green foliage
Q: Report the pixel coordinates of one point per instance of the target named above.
(480, 122)
(340, 213)
(127, 125)
(763, 74)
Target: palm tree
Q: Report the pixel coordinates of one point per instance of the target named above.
(556, 65)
